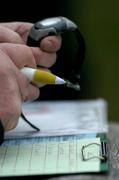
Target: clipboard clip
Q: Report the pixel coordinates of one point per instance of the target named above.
(103, 152)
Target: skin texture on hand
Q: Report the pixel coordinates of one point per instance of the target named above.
(14, 55)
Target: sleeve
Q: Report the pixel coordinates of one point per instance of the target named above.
(1, 133)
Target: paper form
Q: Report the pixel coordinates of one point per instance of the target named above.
(48, 158)
(62, 117)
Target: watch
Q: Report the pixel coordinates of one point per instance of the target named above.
(55, 26)
(1, 133)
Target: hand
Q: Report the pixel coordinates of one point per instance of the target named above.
(17, 32)
(14, 54)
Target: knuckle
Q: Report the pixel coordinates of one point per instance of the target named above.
(29, 57)
(16, 39)
(28, 51)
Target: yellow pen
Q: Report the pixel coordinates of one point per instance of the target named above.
(42, 76)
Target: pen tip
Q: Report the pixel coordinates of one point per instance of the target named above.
(59, 80)
(73, 86)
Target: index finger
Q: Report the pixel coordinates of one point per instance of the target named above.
(48, 44)
(22, 28)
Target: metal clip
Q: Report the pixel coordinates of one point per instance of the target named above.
(103, 152)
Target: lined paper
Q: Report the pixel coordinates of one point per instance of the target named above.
(48, 158)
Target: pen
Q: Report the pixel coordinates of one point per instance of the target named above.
(42, 76)
(38, 76)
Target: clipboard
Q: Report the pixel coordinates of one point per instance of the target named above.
(58, 153)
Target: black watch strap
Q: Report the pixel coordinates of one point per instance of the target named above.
(1, 133)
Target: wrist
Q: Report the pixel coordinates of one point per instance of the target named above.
(1, 132)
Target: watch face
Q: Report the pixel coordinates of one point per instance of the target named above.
(50, 21)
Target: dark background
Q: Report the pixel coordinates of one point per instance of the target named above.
(99, 23)
(33, 12)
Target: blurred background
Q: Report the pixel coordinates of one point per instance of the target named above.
(98, 21)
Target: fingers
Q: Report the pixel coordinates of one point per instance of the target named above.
(10, 109)
(48, 44)
(7, 35)
(17, 32)
(28, 91)
(14, 89)
(33, 93)
(43, 58)
(46, 55)
(20, 28)
(10, 97)
(21, 55)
